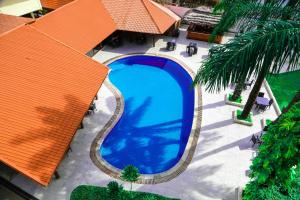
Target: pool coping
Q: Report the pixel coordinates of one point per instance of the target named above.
(191, 145)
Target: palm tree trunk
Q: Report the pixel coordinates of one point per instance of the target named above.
(130, 186)
(253, 94)
(237, 91)
(293, 102)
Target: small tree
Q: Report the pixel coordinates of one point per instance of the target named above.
(130, 174)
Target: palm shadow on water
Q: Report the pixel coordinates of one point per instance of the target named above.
(154, 146)
(48, 139)
(146, 147)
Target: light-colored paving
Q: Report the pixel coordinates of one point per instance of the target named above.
(220, 163)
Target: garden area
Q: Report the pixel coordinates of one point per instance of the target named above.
(284, 86)
(114, 190)
(87, 192)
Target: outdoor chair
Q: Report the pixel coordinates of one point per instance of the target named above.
(270, 103)
(265, 129)
(261, 94)
(192, 49)
(248, 84)
(262, 107)
(255, 140)
(91, 109)
(115, 41)
(171, 46)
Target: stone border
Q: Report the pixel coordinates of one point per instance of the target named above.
(190, 148)
(241, 105)
(275, 104)
(243, 122)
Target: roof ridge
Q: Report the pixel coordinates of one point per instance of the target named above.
(156, 4)
(50, 13)
(143, 1)
(126, 14)
(19, 26)
(49, 36)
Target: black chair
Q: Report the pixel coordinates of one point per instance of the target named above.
(266, 128)
(255, 140)
(270, 103)
(248, 84)
(192, 49)
(261, 107)
(171, 46)
(91, 109)
(194, 45)
(116, 41)
(261, 94)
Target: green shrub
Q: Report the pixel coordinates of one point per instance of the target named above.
(87, 192)
(275, 171)
(114, 190)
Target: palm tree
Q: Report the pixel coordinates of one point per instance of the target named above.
(131, 174)
(254, 53)
(246, 14)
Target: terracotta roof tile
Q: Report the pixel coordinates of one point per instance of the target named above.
(139, 16)
(54, 4)
(81, 24)
(46, 88)
(9, 22)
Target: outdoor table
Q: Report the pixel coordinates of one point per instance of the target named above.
(193, 44)
(262, 101)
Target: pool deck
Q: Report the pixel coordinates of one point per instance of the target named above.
(221, 160)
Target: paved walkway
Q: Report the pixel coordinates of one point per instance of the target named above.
(220, 163)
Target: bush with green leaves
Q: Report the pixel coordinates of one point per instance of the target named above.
(88, 192)
(114, 190)
(131, 174)
(275, 171)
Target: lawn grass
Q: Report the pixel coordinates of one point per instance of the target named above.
(88, 192)
(239, 100)
(238, 116)
(268, 122)
(284, 86)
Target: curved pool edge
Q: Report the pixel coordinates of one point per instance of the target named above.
(191, 145)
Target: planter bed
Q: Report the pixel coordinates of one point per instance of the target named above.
(202, 37)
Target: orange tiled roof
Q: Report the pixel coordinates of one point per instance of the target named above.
(54, 4)
(46, 87)
(9, 22)
(81, 24)
(140, 16)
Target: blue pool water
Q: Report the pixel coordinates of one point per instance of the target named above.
(159, 106)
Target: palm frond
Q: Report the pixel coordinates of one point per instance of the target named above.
(245, 14)
(266, 49)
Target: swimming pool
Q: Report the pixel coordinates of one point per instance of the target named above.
(155, 126)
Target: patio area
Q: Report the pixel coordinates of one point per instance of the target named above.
(222, 157)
